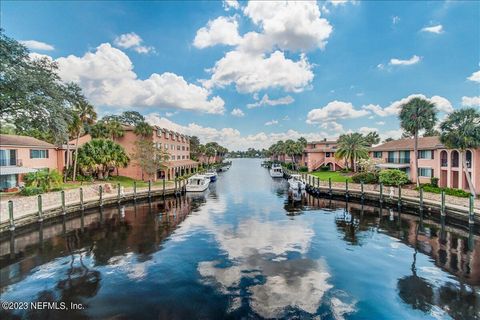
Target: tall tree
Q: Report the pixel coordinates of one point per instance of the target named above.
(194, 144)
(143, 129)
(461, 130)
(33, 97)
(352, 147)
(86, 115)
(415, 115)
(149, 157)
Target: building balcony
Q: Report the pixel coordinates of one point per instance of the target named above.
(398, 160)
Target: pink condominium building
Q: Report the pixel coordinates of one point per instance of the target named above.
(321, 153)
(434, 160)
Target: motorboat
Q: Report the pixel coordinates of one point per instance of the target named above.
(276, 171)
(295, 182)
(197, 183)
(211, 174)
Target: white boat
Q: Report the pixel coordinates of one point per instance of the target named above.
(211, 174)
(197, 183)
(276, 171)
(295, 182)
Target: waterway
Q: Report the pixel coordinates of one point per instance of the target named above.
(243, 251)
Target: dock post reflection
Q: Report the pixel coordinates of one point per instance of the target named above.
(12, 244)
(62, 201)
(40, 236)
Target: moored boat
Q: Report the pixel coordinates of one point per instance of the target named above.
(295, 182)
(197, 183)
(276, 171)
(211, 174)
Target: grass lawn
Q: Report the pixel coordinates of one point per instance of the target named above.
(336, 176)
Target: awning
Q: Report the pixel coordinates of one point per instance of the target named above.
(393, 165)
(180, 163)
(15, 170)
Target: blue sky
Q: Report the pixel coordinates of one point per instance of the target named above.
(313, 69)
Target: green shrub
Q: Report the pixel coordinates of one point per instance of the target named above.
(325, 168)
(303, 169)
(448, 191)
(366, 177)
(434, 182)
(45, 180)
(393, 177)
(31, 191)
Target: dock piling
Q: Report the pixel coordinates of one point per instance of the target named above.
(381, 192)
(118, 193)
(149, 188)
(82, 206)
(62, 199)
(163, 193)
(134, 190)
(100, 194)
(330, 186)
(346, 189)
(471, 217)
(442, 209)
(363, 193)
(421, 198)
(399, 195)
(40, 209)
(10, 215)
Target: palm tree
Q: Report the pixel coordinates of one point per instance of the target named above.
(143, 129)
(372, 138)
(415, 115)
(100, 156)
(209, 152)
(352, 147)
(114, 129)
(461, 130)
(86, 115)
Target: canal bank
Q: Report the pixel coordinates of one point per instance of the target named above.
(242, 250)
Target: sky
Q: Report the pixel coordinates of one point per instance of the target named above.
(246, 73)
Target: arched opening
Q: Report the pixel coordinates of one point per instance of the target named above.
(469, 157)
(454, 159)
(444, 159)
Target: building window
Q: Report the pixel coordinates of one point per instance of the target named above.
(327, 154)
(183, 157)
(425, 172)
(8, 157)
(38, 154)
(172, 147)
(166, 146)
(183, 148)
(425, 154)
(377, 154)
(178, 148)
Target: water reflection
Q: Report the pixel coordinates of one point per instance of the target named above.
(246, 248)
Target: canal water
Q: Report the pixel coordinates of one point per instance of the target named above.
(243, 251)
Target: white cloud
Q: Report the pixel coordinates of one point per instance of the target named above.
(395, 19)
(475, 76)
(231, 4)
(271, 122)
(237, 113)
(332, 127)
(294, 25)
(398, 62)
(271, 102)
(37, 45)
(433, 29)
(232, 138)
(222, 30)
(334, 110)
(252, 73)
(258, 61)
(107, 78)
(366, 130)
(471, 101)
(132, 41)
(441, 103)
(380, 123)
